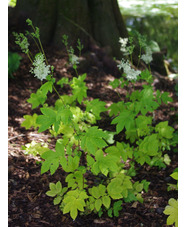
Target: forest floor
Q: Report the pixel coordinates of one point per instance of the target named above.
(28, 203)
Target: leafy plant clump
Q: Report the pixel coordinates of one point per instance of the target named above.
(83, 149)
(13, 63)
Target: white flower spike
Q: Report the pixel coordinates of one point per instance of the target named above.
(74, 60)
(147, 58)
(131, 74)
(123, 48)
(40, 70)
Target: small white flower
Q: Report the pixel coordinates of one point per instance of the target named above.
(147, 58)
(122, 64)
(41, 70)
(131, 74)
(74, 60)
(123, 42)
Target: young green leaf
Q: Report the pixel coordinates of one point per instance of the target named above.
(93, 139)
(125, 119)
(136, 95)
(167, 159)
(174, 175)
(96, 107)
(47, 119)
(115, 83)
(75, 180)
(98, 204)
(95, 192)
(98, 191)
(147, 101)
(146, 75)
(142, 125)
(117, 207)
(172, 211)
(64, 100)
(57, 200)
(55, 189)
(115, 189)
(90, 160)
(70, 165)
(30, 121)
(74, 201)
(35, 148)
(63, 81)
(138, 186)
(120, 150)
(130, 197)
(104, 163)
(164, 130)
(65, 115)
(165, 98)
(106, 201)
(37, 98)
(116, 108)
(79, 88)
(150, 145)
(145, 185)
(110, 212)
(46, 87)
(58, 186)
(52, 159)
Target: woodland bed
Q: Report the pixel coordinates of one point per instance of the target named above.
(28, 203)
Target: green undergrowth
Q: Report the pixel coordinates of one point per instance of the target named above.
(83, 149)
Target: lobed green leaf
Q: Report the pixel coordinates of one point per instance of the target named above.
(172, 211)
(37, 98)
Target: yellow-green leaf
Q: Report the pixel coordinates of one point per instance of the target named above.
(106, 201)
(172, 211)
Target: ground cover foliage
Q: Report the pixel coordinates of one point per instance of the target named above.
(100, 166)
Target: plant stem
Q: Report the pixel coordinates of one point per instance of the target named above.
(139, 57)
(131, 87)
(131, 59)
(29, 57)
(43, 50)
(83, 180)
(58, 94)
(65, 106)
(149, 68)
(76, 72)
(36, 43)
(118, 94)
(40, 45)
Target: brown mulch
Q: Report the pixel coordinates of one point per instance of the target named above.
(28, 203)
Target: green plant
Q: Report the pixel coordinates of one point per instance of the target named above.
(174, 175)
(172, 208)
(148, 141)
(13, 63)
(82, 148)
(172, 211)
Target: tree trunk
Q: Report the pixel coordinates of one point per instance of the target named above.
(97, 21)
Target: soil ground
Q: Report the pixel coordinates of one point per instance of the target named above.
(28, 203)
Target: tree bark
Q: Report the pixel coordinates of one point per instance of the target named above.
(97, 21)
